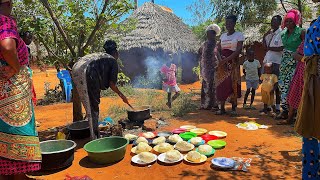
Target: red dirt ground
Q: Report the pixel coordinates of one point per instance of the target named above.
(275, 151)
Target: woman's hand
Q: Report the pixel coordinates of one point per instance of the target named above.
(297, 56)
(6, 72)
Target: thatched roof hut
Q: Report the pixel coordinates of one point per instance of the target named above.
(158, 33)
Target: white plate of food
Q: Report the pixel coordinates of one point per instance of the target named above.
(195, 157)
(188, 127)
(183, 146)
(170, 157)
(144, 158)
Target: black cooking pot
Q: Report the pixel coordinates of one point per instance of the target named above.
(57, 154)
(79, 130)
(138, 114)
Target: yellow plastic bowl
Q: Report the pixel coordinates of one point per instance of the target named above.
(199, 131)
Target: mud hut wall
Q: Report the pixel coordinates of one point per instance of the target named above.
(258, 50)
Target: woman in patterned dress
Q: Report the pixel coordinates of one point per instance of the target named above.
(208, 60)
(227, 80)
(296, 86)
(93, 73)
(292, 37)
(308, 121)
(19, 142)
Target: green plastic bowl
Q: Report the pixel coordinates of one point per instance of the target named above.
(187, 135)
(106, 150)
(217, 144)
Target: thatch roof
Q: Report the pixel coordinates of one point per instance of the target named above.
(159, 29)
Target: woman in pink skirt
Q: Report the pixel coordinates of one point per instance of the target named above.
(296, 86)
(19, 142)
(169, 84)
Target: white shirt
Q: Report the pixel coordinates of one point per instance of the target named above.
(273, 40)
(231, 42)
(252, 69)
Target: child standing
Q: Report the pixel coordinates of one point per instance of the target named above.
(269, 84)
(251, 70)
(169, 84)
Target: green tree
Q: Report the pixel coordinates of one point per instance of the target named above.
(71, 29)
(249, 12)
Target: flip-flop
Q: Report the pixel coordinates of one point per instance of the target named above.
(282, 116)
(245, 106)
(285, 122)
(233, 114)
(253, 108)
(219, 112)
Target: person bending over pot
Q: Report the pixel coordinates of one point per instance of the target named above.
(93, 73)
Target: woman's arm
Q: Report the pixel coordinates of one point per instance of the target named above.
(9, 52)
(234, 54)
(297, 56)
(116, 90)
(303, 34)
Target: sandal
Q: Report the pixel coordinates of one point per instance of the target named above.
(285, 122)
(283, 115)
(221, 112)
(168, 104)
(233, 114)
(245, 106)
(253, 108)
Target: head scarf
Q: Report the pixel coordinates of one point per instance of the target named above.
(293, 14)
(214, 27)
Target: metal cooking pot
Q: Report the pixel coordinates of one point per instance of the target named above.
(57, 154)
(139, 113)
(79, 130)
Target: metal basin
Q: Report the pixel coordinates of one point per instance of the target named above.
(139, 113)
(79, 130)
(107, 150)
(57, 154)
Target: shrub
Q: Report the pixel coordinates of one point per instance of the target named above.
(51, 95)
(117, 112)
(183, 105)
(123, 79)
(196, 70)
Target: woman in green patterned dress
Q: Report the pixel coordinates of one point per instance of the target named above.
(292, 36)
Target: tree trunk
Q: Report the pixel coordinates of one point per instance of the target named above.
(135, 4)
(282, 4)
(300, 9)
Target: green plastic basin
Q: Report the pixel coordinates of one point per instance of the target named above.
(106, 150)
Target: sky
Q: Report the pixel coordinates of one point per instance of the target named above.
(179, 8)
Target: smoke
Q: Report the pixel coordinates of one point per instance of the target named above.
(152, 76)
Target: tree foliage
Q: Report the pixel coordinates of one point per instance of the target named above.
(249, 12)
(71, 29)
(84, 24)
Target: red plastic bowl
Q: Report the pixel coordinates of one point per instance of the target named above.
(179, 131)
(208, 137)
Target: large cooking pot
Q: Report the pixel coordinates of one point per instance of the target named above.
(79, 130)
(139, 113)
(57, 154)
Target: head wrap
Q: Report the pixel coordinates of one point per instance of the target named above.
(214, 27)
(293, 14)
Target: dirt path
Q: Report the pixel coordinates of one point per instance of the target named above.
(275, 151)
